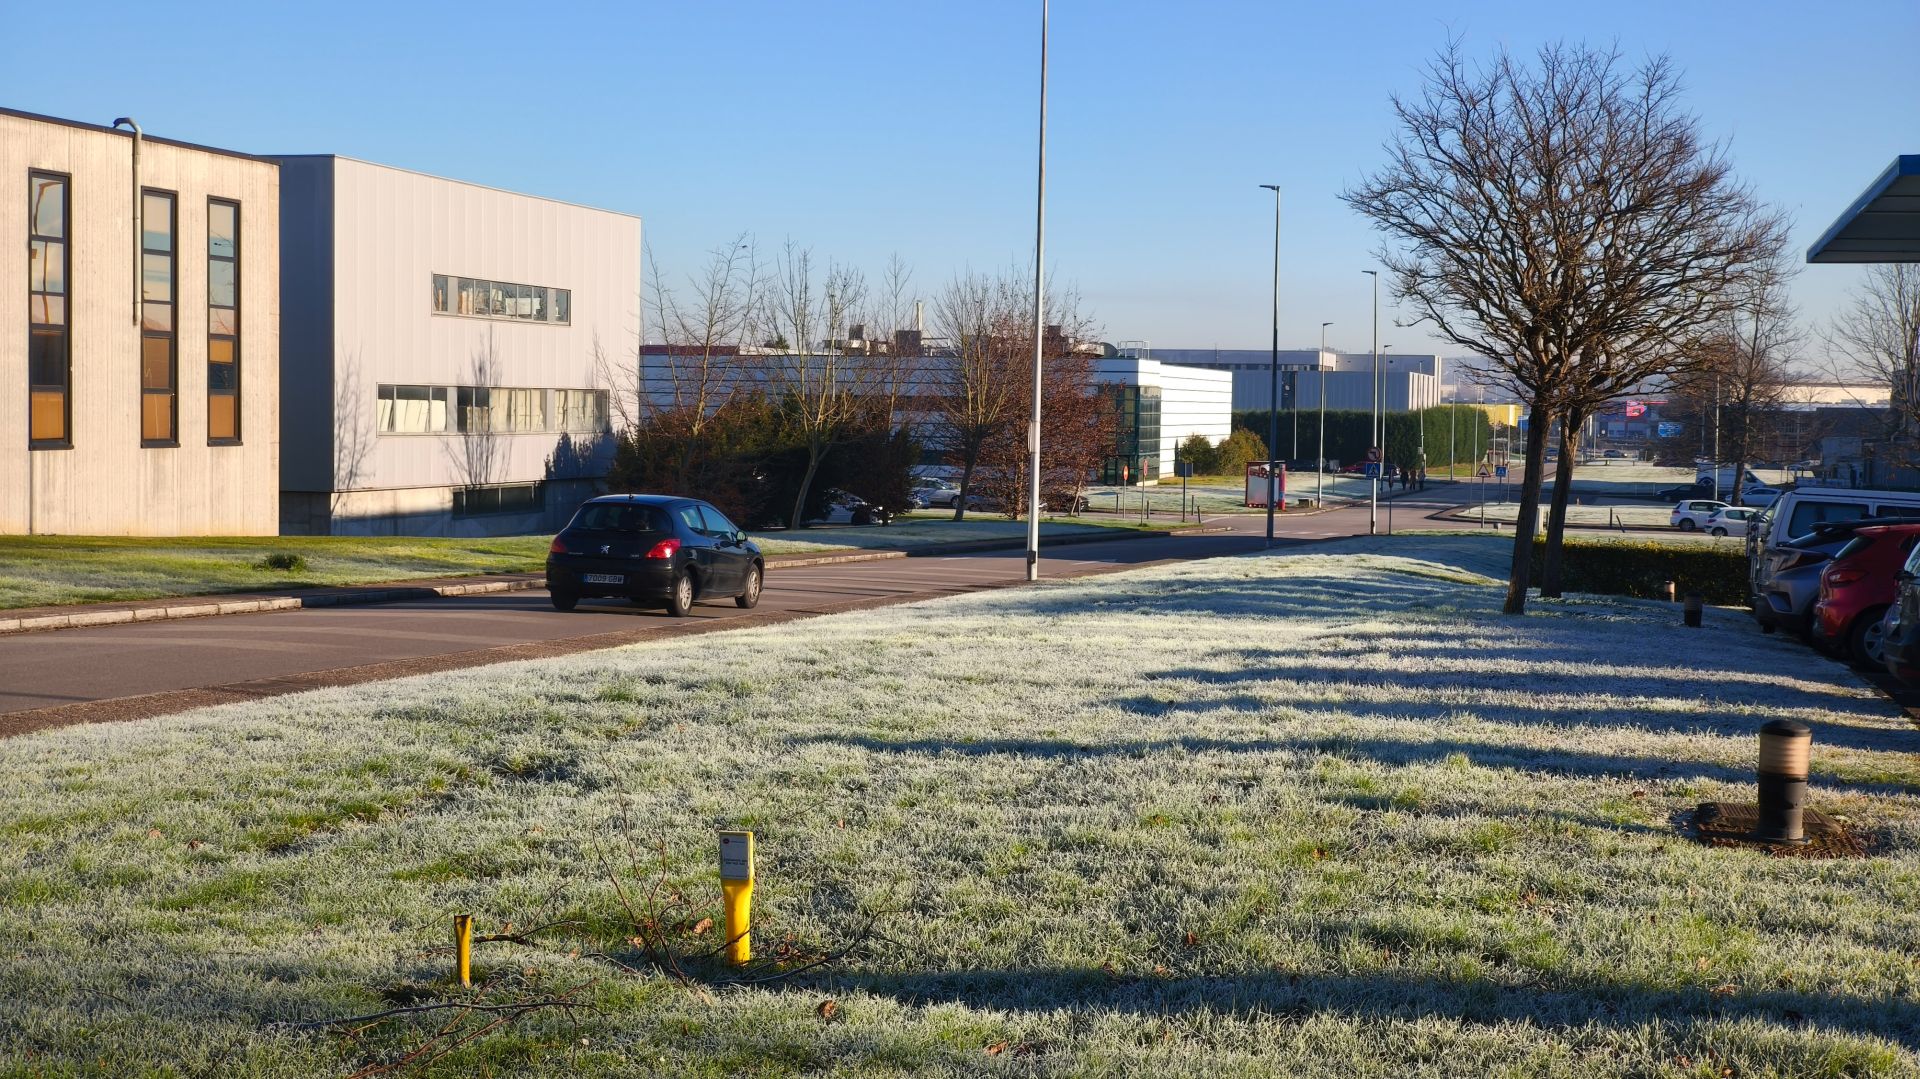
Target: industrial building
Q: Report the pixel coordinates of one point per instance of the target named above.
(1408, 381)
(139, 351)
(449, 356)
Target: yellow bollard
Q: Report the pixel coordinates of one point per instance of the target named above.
(463, 946)
(736, 883)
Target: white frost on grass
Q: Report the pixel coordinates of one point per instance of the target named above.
(919, 530)
(1307, 815)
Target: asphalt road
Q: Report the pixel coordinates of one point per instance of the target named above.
(149, 668)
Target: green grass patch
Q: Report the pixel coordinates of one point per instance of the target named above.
(40, 571)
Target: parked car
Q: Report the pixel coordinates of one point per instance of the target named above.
(1900, 630)
(1729, 521)
(1856, 588)
(1760, 497)
(1684, 491)
(1614, 455)
(1693, 514)
(653, 548)
(1786, 575)
(1063, 500)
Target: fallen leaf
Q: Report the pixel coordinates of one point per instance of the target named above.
(842, 822)
(153, 833)
(1725, 990)
(702, 926)
(1160, 970)
(827, 1010)
(1190, 940)
(1639, 794)
(194, 844)
(996, 1049)
(1318, 854)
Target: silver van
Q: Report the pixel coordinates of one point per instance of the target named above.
(1789, 542)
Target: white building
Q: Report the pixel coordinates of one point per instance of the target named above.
(1407, 380)
(139, 361)
(446, 369)
(1161, 406)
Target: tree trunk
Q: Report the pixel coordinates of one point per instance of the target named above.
(966, 484)
(1557, 510)
(1527, 524)
(814, 453)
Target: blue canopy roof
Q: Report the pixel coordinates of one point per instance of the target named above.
(1882, 225)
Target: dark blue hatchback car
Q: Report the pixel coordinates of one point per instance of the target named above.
(653, 548)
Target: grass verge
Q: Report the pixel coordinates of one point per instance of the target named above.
(1312, 815)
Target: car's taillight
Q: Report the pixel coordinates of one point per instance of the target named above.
(664, 549)
(1796, 559)
(556, 547)
(1840, 578)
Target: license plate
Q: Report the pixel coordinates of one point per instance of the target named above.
(603, 578)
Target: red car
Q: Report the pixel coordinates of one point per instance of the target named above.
(1856, 588)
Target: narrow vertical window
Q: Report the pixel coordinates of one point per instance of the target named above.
(223, 321)
(159, 375)
(49, 366)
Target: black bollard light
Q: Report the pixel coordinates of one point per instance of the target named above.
(1690, 614)
(1784, 747)
(1669, 591)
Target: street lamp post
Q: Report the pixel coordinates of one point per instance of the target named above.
(1273, 387)
(1039, 316)
(1453, 437)
(1373, 497)
(1320, 464)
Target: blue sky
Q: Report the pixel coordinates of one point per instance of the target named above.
(862, 129)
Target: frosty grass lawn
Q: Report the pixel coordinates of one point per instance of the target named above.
(1311, 815)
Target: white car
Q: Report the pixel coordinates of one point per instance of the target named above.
(1759, 497)
(1693, 513)
(1730, 521)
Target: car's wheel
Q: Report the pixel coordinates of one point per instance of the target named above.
(751, 596)
(563, 601)
(1687, 525)
(1866, 637)
(1718, 532)
(680, 596)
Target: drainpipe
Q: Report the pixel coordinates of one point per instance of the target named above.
(138, 237)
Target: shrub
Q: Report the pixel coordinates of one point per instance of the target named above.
(284, 561)
(1232, 457)
(1642, 569)
(1201, 454)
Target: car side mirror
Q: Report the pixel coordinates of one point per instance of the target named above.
(740, 537)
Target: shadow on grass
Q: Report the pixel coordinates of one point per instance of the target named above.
(1544, 1001)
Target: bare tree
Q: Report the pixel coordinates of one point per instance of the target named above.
(1877, 339)
(475, 450)
(1558, 214)
(705, 335)
(975, 390)
(823, 389)
(353, 430)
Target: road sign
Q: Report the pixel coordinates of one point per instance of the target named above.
(1373, 469)
(1373, 454)
(1500, 472)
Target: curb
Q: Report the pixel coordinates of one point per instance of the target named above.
(350, 596)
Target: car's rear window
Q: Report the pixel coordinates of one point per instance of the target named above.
(1907, 512)
(1853, 546)
(1811, 512)
(620, 517)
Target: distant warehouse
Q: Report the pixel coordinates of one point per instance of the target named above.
(441, 340)
(140, 365)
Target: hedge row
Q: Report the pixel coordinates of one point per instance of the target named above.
(1643, 569)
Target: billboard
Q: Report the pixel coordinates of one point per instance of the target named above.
(1669, 429)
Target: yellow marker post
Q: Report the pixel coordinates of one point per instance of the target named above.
(736, 882)
(463, 946)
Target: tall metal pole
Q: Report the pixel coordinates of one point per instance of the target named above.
(1373, 497)
(1039, 316)
(1453, 434)
(1273, 370)
(1320, 466)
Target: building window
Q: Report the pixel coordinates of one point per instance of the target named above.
(478, 298)
(411, 410)
(505, 498)
(159, 404)
(580, 410)
(49, 366)
(223, 321)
